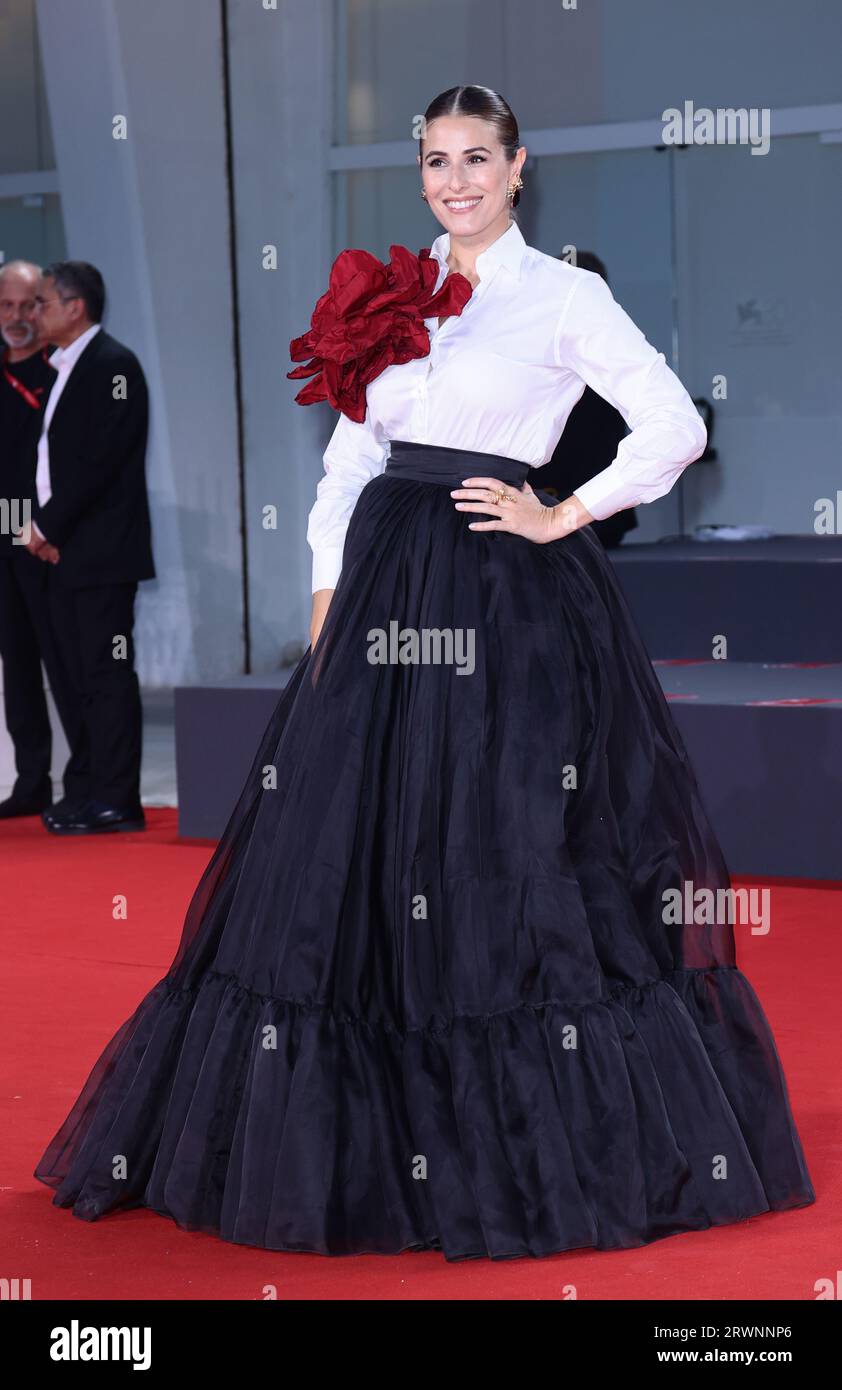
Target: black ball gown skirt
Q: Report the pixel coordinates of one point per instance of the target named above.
(428, 994)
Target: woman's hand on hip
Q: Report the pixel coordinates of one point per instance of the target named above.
(518, 510)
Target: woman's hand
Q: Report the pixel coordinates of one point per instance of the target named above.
(519, 511)
(321, 603)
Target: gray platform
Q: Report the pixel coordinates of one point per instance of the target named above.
(766, 744)
(775, 600)
(217, 732)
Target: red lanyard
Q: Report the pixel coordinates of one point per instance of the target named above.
(31, 397)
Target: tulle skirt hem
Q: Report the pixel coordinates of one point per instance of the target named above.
(433, 1141)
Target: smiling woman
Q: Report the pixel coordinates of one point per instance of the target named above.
(464, 172)
(431, 991)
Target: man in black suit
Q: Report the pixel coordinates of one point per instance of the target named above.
(90, 522)
(26, 377)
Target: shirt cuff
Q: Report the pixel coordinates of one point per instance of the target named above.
(607, 493)
(37, 529)
(327, 567)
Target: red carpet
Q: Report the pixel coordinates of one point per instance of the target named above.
(73, 973)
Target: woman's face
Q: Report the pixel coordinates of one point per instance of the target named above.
(465, 173)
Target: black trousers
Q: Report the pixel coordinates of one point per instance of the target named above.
(25, 642)
(93, 629)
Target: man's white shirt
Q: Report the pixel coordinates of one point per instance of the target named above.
(64, 360)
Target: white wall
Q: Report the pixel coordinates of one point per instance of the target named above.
(151, 212)
(281, 72)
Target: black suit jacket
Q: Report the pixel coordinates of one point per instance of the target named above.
(98, 514)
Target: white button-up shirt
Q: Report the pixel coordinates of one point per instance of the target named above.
(502, 378)
(64, 360)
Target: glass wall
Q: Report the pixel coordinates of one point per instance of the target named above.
(30, 224)
(31, 228)
(577, 62)
(25, 137)
(759, 313)
(394, 56)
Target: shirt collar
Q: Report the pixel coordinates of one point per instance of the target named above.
(507, 250)
(66, 357)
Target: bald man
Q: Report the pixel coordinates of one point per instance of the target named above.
(26, 378)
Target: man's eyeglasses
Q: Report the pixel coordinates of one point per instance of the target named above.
(58, 299)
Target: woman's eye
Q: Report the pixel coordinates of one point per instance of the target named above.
(436, 160)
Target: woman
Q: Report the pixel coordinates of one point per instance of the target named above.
(432, 990)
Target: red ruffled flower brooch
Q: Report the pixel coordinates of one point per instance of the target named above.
(371, 317)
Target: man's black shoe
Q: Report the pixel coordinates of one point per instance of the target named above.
(23, 806)
(69, 805)
(97, 818)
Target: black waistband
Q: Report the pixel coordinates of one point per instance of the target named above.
(432, 463)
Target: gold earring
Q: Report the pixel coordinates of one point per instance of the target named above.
(518, 183)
